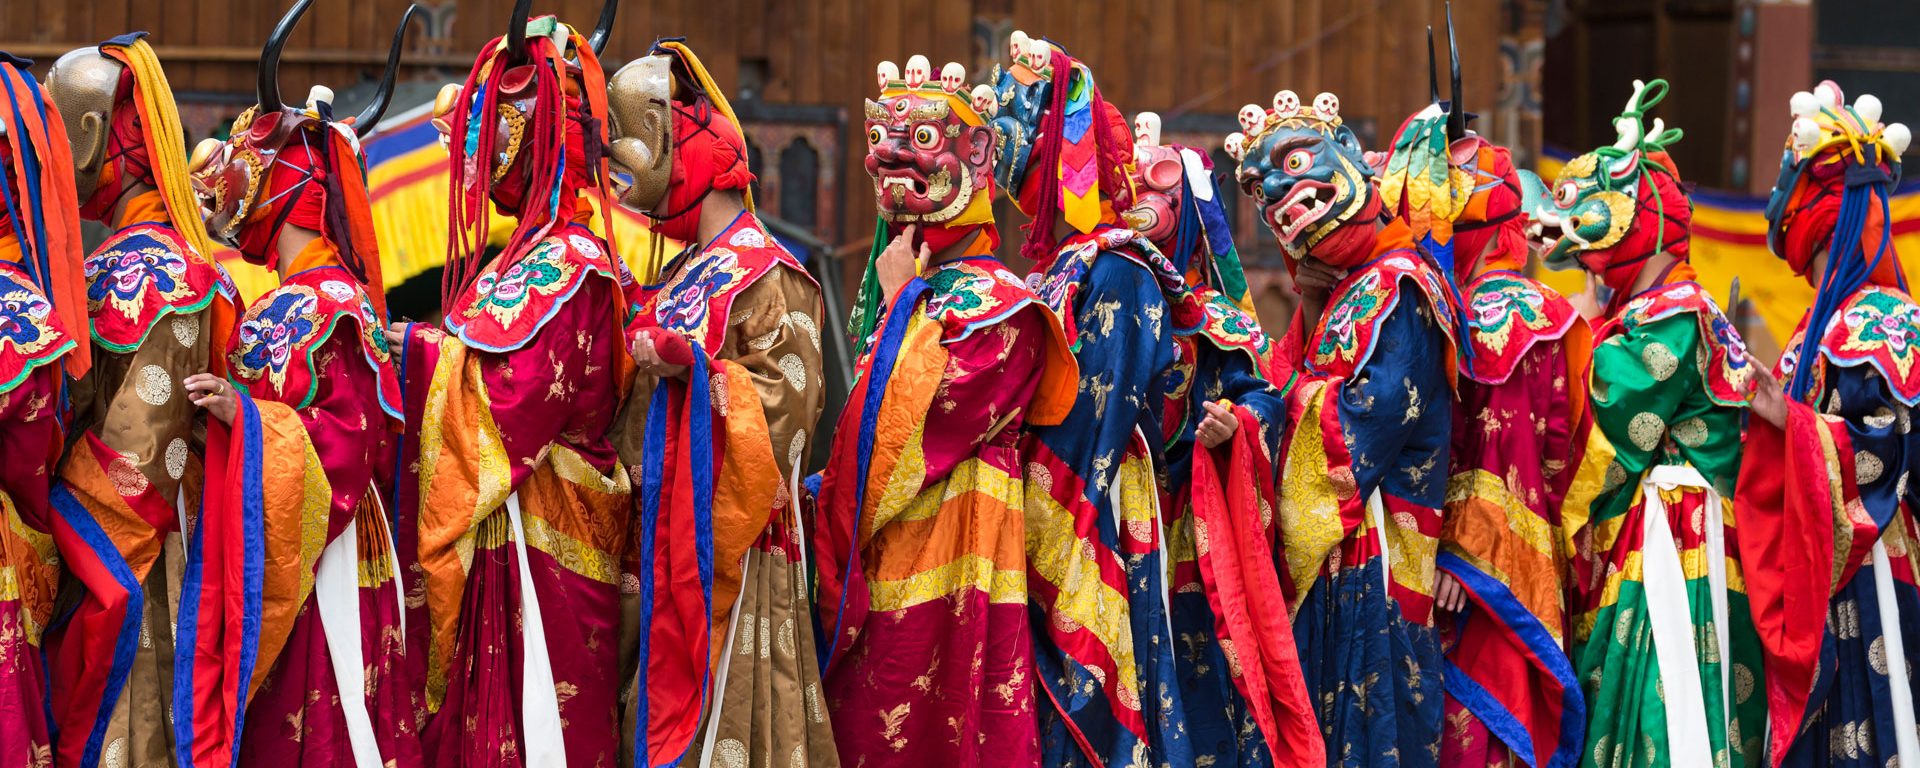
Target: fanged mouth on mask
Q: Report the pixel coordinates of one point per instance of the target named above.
(927, 152)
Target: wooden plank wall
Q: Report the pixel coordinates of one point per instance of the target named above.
(1172, 56)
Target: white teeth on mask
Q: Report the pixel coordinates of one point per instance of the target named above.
(900, 185)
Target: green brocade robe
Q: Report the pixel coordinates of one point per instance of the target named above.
(1670, 384)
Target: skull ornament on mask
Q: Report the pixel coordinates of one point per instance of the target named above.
(1306, 171)
(929, 152)
(1158, 182)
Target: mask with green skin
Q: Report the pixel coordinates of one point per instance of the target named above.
(1619, 204)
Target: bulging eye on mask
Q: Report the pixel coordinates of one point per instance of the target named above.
(928, 163)
(1314, 188)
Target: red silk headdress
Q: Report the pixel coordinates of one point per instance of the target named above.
(1831, 147)
(709, 153)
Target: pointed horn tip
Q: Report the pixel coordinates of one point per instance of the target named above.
(604, 27)
(517, 25)
(363, 124)
(268, 88)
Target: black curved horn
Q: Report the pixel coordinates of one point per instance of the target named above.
(363, 124)
(517, 29)
(269, 87)
(598, 40)
(1433, 77)
(1457, 111)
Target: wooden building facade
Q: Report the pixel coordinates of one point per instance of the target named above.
(799, 69)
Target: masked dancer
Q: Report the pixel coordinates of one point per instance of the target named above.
(728, 338)
(1221, 427)
(1519, 430)
(1095, 532)
(160, 311)
(523, 500)
(920, 554)
(1364, 470)
(1663, 644)
(341, 692)
(1835, 524)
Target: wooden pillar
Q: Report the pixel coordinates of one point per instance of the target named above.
(1773, 59)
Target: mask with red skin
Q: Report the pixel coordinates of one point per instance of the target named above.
(1158, 189)
(928, 163)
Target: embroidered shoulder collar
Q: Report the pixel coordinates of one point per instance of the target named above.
(277, 338)
(971, 294)
(1728, 371)
(506, 307)
(138, 276)
(1208, 314)
(1508, 313)
(1349, 329)
(30, 334)
(1060, 284)
(1878, 327)
(697, 298)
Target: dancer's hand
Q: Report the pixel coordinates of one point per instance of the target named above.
(1587, 301)
(1315, 279)
(1218, 426)
(901, 262)
(1769, 400)
(1448, 595)
(214, 394)
(649, 360)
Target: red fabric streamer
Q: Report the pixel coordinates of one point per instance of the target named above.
(1231, 484)
(510, 192)
(1787, 520)
(44, 131)
(1040, 191)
